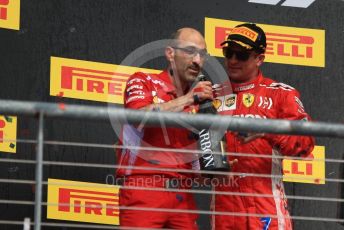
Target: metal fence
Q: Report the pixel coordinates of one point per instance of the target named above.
(52, 110)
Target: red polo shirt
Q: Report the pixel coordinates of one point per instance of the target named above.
(143, 90)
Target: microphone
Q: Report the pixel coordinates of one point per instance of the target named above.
(211, 140)
(206, 106)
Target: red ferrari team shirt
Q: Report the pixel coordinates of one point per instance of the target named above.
(262, 98)
(141, 91)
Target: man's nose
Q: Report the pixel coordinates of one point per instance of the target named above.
(233, 58)
(197, 58)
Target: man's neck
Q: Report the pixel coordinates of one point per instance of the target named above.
(251, 78)
(181, 86)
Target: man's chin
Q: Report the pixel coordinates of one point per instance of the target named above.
(234, 77)
(192, 77)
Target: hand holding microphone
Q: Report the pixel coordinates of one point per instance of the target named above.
(202, 91)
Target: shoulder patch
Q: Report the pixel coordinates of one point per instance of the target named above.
(134, 87)
(155, 81)
(280, 85)
(301, 107)
(135, 80)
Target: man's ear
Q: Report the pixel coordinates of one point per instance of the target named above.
(169, 53)
(261, 58)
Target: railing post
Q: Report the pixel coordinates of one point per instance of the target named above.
(39, 172)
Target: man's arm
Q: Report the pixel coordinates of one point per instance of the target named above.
(138, 95)
(200, 92)
(291, 108)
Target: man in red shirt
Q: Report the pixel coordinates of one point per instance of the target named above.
(168, 91)
(255, 96)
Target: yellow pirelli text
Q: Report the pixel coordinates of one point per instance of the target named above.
(306, 171)
(88, 80)
(286, 45)
(83, 202)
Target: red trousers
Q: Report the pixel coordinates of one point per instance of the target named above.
(138, 198)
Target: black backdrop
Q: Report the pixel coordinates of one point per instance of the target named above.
(107, 31)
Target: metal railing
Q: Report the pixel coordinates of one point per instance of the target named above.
(53, 110)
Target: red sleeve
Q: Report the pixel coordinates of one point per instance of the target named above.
(291, 108)
(138, 91)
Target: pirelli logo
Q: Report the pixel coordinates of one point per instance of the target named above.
(8, 134)
(10, 14)
(306, 171)
(250, 34)
(286, 45)
(84, 202)
(90, 80)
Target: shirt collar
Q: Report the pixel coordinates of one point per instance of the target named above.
(239, 87)
(169, 87)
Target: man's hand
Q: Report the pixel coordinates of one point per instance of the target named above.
(231, 163)
(202, 91)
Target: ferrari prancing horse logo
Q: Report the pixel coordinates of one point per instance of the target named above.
(248, 99)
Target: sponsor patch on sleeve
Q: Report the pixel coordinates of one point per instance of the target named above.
(225, 103)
